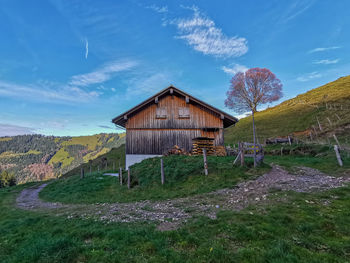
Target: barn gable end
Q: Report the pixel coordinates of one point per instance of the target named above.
(171, 117)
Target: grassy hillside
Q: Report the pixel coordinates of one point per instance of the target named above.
(298, 116)
(38, 157)
(291, 227)
(104, 162)
(184, 176)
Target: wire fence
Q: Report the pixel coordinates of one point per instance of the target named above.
(327, 120)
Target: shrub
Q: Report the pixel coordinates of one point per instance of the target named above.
(7, 179)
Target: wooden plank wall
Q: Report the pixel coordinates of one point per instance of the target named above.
(199, 117)
(151, 141)
(148, 135)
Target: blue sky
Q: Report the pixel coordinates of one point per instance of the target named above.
(68, 67)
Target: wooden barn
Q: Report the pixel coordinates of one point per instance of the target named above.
(170, 117)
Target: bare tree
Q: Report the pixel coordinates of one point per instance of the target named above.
(250, 89)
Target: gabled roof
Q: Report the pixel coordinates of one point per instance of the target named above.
(122, 118)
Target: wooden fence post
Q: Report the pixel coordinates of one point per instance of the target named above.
(319, 124)
(336, 139)
(242, 153)
(290, 143)
(338, 117)
(129, 178)
(120, 176)
(205, 161)
(82, 173)
(162, 171)
(90, 169)
(330, 123)
(336, 149)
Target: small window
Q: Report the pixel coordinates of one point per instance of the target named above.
(161, 113)
(184, 113)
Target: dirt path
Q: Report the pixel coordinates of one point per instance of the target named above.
(171, 213)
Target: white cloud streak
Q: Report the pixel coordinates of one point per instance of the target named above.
(233, 70)
(102, 74)
(201, 33)
(13, 130)
(321, 49)
(295, 9)
(71, 92)
(42, 93)
(148, 84)
(326, 61)
(158, 9)
(86, 48)
(309, 76)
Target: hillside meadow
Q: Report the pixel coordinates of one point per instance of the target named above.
(291, 227)
(328, 105)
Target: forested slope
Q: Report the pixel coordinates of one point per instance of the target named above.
(38, 157)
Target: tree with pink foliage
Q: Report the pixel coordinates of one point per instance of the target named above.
(248, 90)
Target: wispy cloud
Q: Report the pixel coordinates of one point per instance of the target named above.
(102, 74)
(72, 91)
(326, 61)
(321, 49)
(295, 9)
(158, 9)
(13, 130)
(106, 127)
(53, 124)
(234, 69)
(86, 48)
(309, 76)
(41, 92)
(148, 84)
(201, 33)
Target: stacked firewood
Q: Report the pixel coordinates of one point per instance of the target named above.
(200, 143)
(176, 150)
(220, 151)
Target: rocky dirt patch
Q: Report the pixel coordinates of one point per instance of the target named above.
(171, 213)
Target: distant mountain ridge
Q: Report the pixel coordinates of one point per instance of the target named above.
(316, 114)
(39, 157)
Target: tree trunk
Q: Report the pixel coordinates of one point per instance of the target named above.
(254, 135)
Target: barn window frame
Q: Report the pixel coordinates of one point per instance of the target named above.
(184, 112)
(161, 113)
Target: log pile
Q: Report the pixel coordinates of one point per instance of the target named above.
(220, 151)
(176, 150)
(203, 142)
(279, 140)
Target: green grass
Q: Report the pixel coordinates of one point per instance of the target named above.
(315, 156)
(184, 176)
(62, 156)
(298, 115)
(5, 139)
(291, 231)
(324, 164)
(116, 155)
